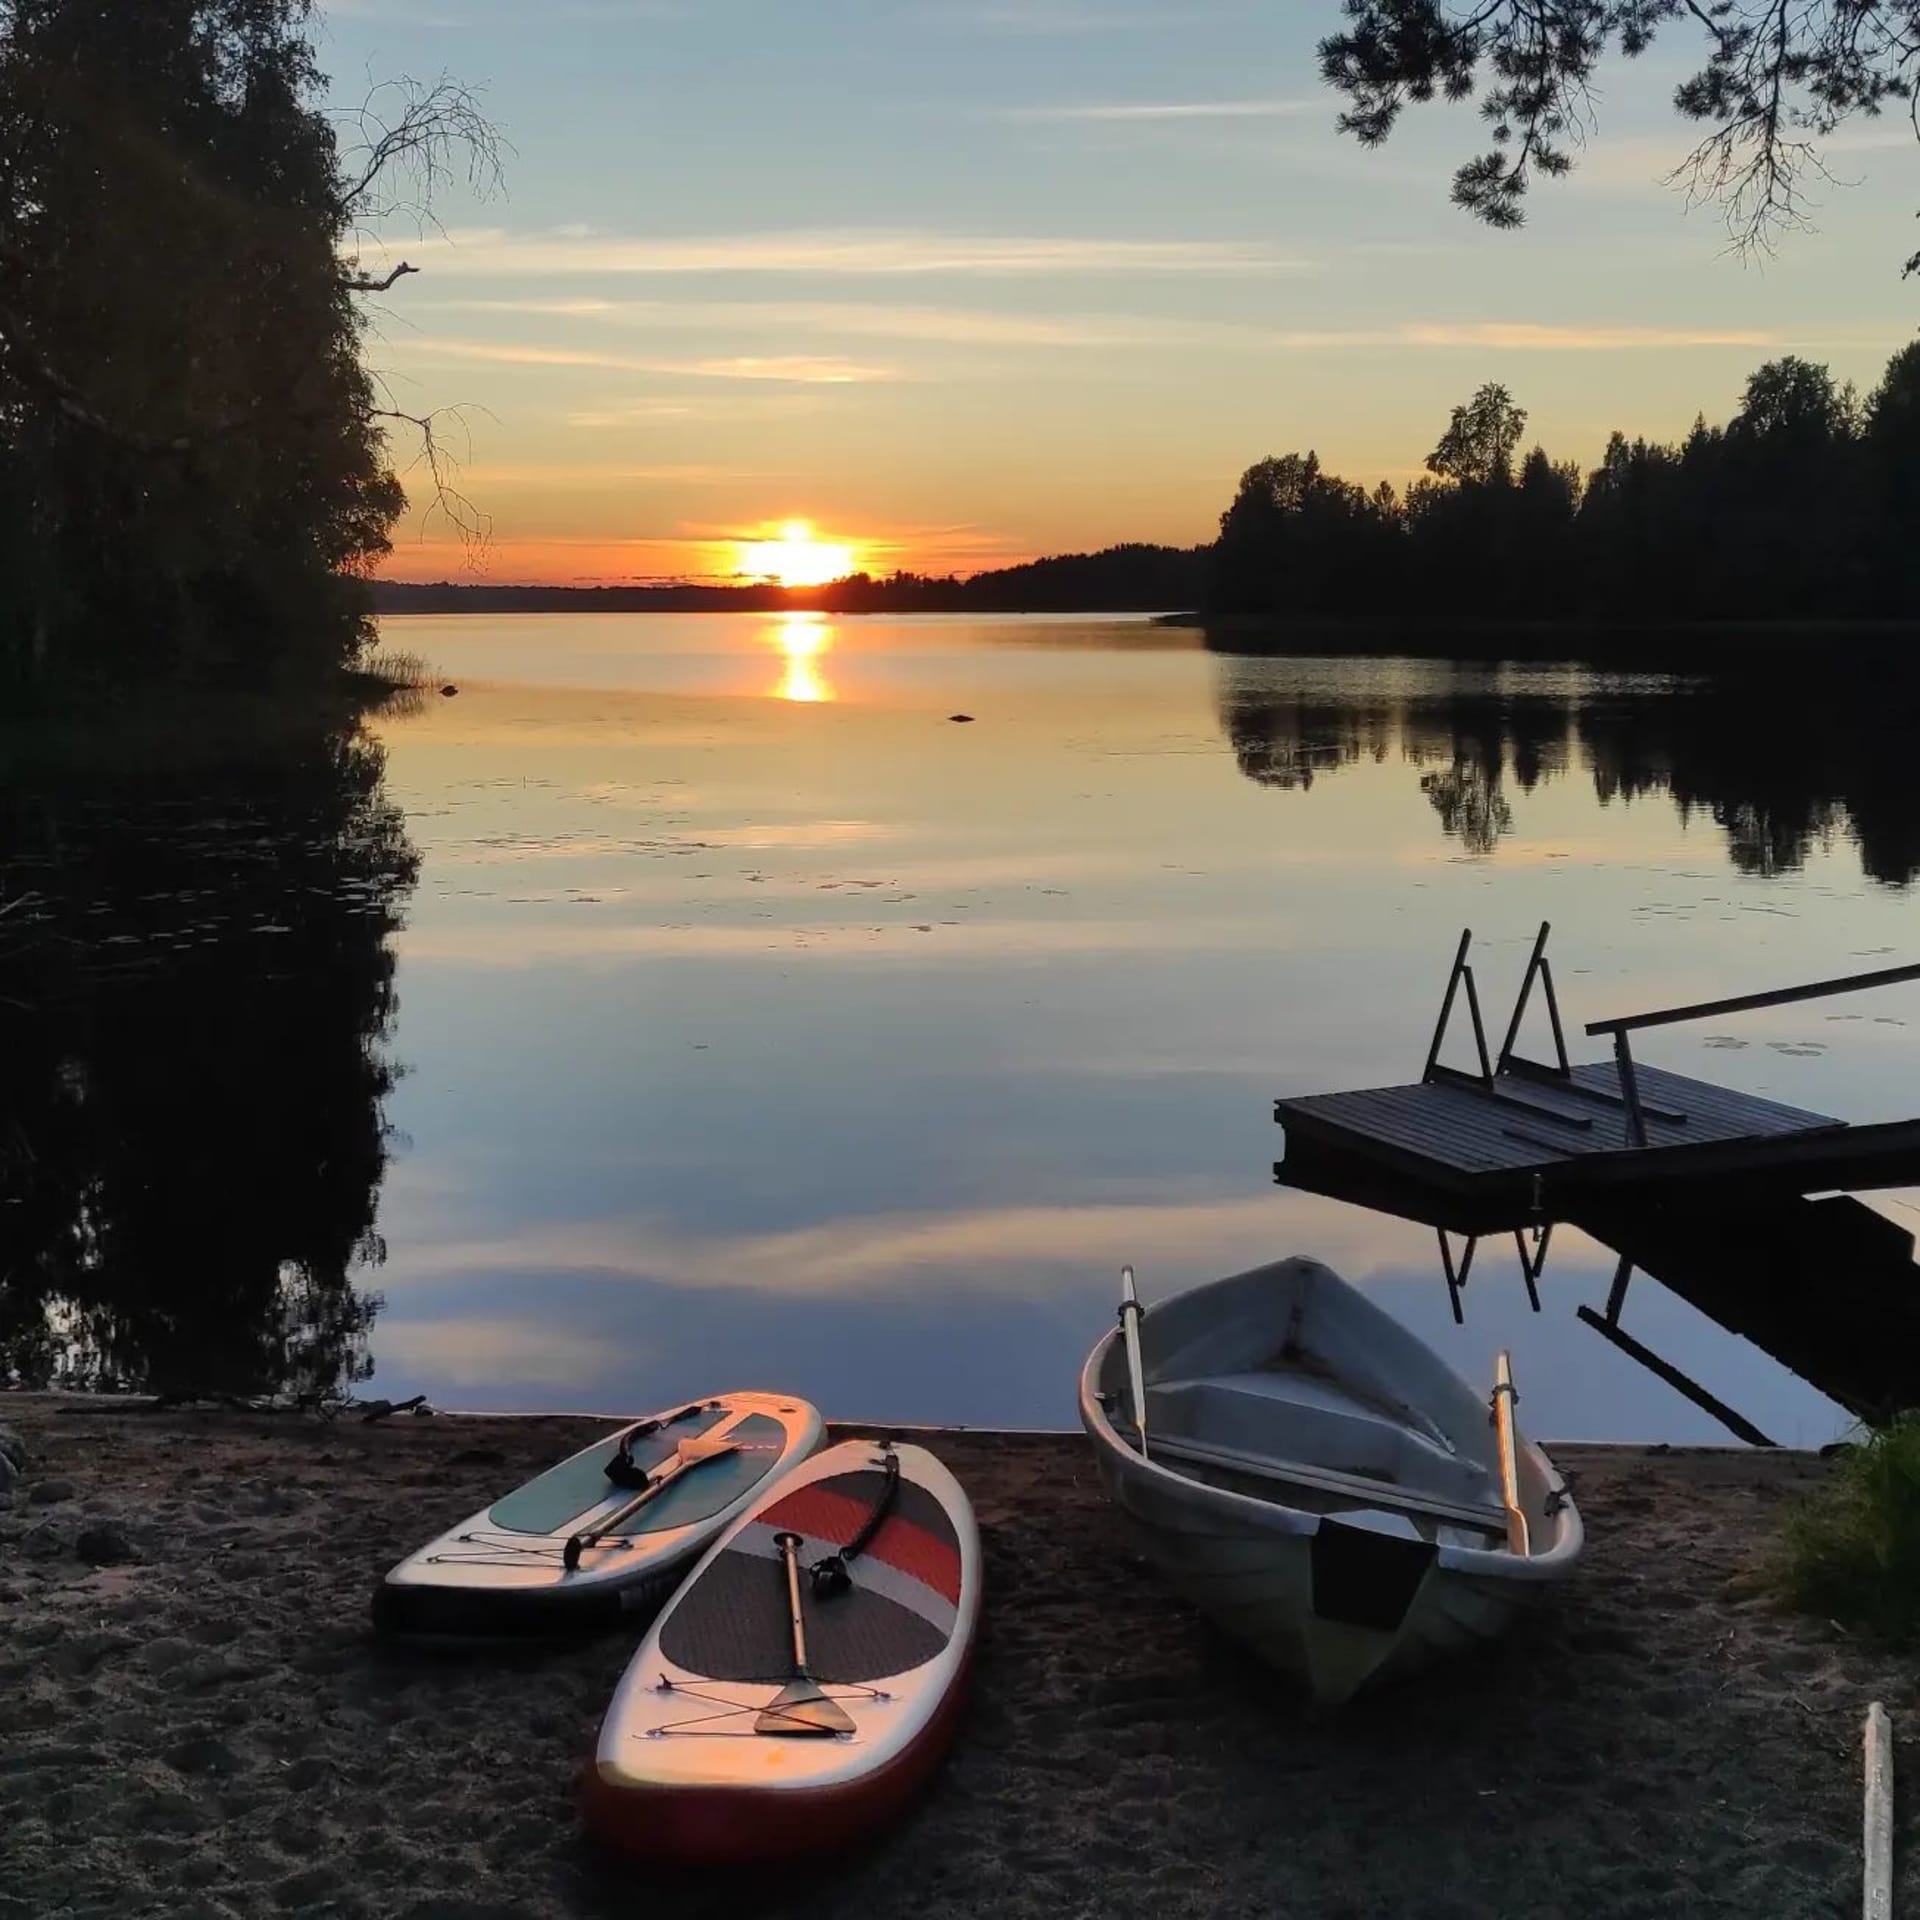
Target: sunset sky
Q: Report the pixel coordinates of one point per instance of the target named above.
(957, 282)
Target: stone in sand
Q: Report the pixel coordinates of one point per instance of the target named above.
(105, 1546)
(48, 1493)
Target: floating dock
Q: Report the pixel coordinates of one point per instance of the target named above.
(1526, 1138)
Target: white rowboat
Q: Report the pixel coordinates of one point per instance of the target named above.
(1319, 1482)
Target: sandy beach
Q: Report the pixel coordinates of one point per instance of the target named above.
(195, 1719)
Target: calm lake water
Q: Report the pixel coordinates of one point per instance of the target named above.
(692, 1002)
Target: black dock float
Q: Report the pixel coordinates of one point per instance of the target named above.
(1524, 1134)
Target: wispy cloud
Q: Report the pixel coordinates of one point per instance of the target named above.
(1037, 19)
(800, 369)
(848, 250)
(998, 1250)
(952, 326)
(985, 327)
(760, 403)
(1150, 111)
(1527, 337)
(584, 474)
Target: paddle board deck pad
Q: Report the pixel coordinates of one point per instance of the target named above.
(503, 1573)
(698, 1762)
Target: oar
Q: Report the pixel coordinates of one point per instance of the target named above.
(1130, 1311)
(1504, 1396)
(689, 1453)
(800, 1707)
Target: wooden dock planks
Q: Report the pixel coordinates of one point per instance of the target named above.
(1458, 1133)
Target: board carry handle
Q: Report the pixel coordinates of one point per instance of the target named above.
(1505, 1396)
(688, 1454)
(621, 1469)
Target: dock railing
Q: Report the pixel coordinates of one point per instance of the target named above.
(1737, 1003)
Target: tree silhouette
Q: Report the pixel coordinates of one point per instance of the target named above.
(1774, 80)
(195, 995)
(1478, 446)
(193, 462)
(1805, 505)
(1780, 771)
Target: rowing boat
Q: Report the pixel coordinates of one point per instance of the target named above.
(1318, 1481)
(605, 1535)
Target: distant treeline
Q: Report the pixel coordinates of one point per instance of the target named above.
(1130, 578)
(1805, 505)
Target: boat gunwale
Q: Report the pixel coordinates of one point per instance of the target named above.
(1275, 1517)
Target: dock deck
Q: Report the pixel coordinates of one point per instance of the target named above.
(1460, 1133)
(1519, 1128)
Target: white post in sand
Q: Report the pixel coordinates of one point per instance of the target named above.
(1877, 1895)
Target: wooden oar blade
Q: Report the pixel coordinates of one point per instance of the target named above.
(1507, 1443)
(802, 1710)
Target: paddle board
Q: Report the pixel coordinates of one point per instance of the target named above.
(698, 1762)
(660, 1491)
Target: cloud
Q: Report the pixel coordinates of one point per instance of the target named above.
(817, 370)
(861, 1255)
(950, 326)
(1035, 19)
(874, 943)
(881, 251)
(477, 1353)
(1523, 336)
(766, 402)
(1082, 332)
(1152, 111)
(584, 474)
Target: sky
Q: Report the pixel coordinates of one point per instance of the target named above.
(959, 282)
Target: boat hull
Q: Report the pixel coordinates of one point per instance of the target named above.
(1258, 1583)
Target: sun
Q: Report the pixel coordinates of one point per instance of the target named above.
(796, 559)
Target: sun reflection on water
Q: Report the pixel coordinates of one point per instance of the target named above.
(803, 638)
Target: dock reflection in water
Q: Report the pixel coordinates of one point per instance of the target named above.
(1828, 1288)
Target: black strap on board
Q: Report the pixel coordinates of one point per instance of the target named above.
(623, 1470)
(831, 1576)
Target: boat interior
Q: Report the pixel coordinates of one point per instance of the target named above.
(1283, 1434)
(1287, 1391)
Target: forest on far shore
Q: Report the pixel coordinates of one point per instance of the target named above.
(1805, 506)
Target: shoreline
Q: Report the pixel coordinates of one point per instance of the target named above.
(83, 1405)
(199, 1720)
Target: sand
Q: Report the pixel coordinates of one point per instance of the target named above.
(206, 1727)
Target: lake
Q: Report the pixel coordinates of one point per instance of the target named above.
(697, 1001)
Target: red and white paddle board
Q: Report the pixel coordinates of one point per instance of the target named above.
(691, 1766)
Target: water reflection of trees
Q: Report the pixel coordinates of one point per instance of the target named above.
(195, 991)
(1780, 769)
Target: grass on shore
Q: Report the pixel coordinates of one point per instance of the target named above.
(1851, 1552)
